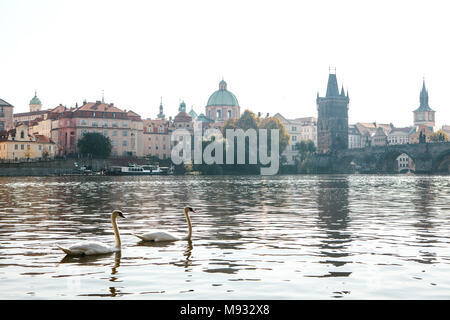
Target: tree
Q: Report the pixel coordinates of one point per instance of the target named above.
(95, 144)
(439, 136)
(304, 160)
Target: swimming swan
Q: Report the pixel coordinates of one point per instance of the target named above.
(164, 236)
(88, 248)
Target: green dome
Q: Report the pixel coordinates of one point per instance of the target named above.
(222, 97)
(35, 100)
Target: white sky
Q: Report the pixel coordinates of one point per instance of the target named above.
(274, 55)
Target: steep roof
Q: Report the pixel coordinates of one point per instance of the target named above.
(3, 103)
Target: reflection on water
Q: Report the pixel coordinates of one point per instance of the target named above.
(254, 237)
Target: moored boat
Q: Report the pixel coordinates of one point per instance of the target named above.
(136, 170)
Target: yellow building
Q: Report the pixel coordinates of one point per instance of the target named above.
(18, 145)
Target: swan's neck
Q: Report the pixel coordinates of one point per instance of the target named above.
(116, 231)
(188, 219)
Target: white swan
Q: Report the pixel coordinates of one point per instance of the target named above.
(164, 236)
(88, 248)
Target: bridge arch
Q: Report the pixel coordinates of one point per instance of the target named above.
(441, 163)
(388, 160)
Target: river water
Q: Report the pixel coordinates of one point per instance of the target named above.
(254, 237)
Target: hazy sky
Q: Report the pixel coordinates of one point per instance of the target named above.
(274, 55)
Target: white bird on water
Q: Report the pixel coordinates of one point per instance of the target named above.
(164, 236)
(88, 248)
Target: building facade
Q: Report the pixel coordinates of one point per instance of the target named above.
(332, 120)
(399, 135)
(6, 115)
(18, 145)
(156, 138)
(354, 137)
(124, 128)
(299, 129)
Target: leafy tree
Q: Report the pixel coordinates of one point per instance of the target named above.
(439, 136)
(304, 160)
(96, 144)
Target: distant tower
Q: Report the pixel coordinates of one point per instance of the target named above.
(161, 114)
(424, 115)
(182, 107)
(35, 103)
(332, 120)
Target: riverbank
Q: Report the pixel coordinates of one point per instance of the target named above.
(59, 167)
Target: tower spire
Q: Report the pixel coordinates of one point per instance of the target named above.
(332, 87)
(161, 114)
(424, 95)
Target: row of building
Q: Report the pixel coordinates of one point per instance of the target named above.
(45, 133)
(130, 135)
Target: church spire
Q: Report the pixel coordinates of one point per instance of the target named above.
(161, 114)
(424, 96)
(332, 87)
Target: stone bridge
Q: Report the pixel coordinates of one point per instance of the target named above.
(427, 157)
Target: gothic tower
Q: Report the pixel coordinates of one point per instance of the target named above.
(332, 120)
(424, 115)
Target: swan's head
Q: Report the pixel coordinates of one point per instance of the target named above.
(189, 209)
(117, 213)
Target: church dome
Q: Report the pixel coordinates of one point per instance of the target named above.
(35, 100)
(222, 97)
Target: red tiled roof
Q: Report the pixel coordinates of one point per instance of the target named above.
(99, 106)
(182, 117)
(43, 139)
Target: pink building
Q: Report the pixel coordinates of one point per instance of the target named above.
(124, 128)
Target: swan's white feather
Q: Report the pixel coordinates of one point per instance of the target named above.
(157, 236)
(88, 248)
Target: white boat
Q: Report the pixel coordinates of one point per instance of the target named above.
(136, 170)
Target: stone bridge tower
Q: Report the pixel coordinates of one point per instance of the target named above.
(332, 120)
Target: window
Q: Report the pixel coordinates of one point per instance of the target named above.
(40, 147)
(294, 138)
(114, 133)
(125, 124)
(124, 133)
(294, 128)
(229, 113)
(22, 147)
(83, 122)
(94, 124)
(124, 143)
(219, 114)
(22, 134)
(16, 147)
(114, 124)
